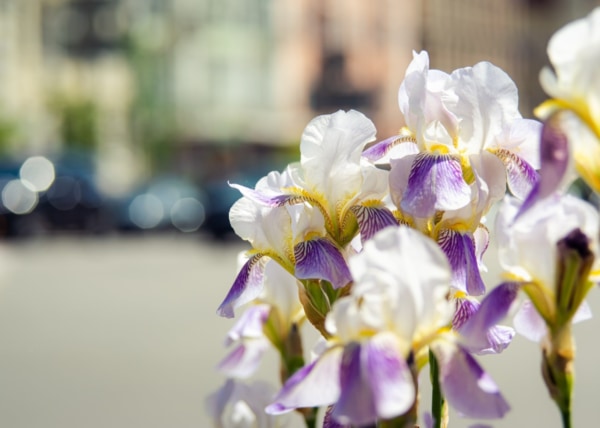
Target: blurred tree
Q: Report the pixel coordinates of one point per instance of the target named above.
(78, 122)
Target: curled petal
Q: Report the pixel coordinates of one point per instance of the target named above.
(520, 175)
(316, 384)
(435, 183)
(320, 259)
(246, 287)
(460, 250)
(466, 386)
(491, 341)
(372, 219)
(480, 332)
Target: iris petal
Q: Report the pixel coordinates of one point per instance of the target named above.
(480, 332)
(316, 384)
(320, 259)
(246, 287)
(372, 219)
(521, 177)
(356, 404)
(460, 250)
(390, 377)
(435, 183)
(466, 386)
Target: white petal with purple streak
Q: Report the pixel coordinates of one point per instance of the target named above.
(317, 384)
(247, 286)
(320, 259)
(435, 183)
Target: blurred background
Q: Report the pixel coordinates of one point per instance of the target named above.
(121, 122)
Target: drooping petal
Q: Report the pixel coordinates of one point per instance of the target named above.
(480, 333)
(246, 287)
(554, 161)
(356, 403)
(435, 183)
(320, 259)
(528, 322)
(372, 219)
(460, 250)
(389, 376)
(492, 341)
(317, 384)
(376, 383)
(466, 386)
(520, 175)
(244, 359)
(249, 325)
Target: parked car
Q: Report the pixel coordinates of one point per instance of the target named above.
(162, 203)
(43, 194)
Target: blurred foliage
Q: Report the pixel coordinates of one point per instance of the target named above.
(8, 131)
(78, 122)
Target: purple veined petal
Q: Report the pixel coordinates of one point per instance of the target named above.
(317, 384)
(372, 219)
(554, 161)
(529, 323)
(466, 386)
(243, 361)
(479, 333)
(495, 339)
(435, 183)
(460, 250)
(520, 175)
(246, 287)
(380, 150)
(320, 259)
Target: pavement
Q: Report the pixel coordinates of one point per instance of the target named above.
(114, 331)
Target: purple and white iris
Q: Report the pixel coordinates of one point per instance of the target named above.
(463, 142)
(398, 308)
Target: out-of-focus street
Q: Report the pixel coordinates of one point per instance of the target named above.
(122, 332)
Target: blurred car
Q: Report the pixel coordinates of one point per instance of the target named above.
(163, 203)
(42, 194)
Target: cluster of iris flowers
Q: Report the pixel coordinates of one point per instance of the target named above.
(379, 245)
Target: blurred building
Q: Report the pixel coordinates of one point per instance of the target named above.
(212, 86)
(512, 34)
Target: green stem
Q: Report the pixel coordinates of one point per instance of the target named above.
(566, 417)
(438, 403)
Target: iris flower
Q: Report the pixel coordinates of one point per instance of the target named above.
(450, 119)
(574, 88)
(292, 235)
(398, 309)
